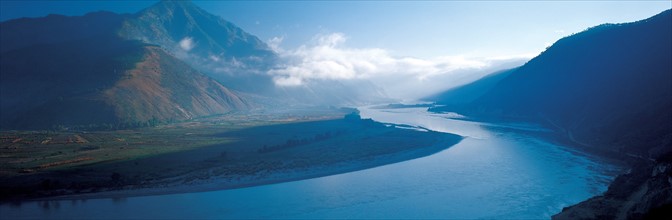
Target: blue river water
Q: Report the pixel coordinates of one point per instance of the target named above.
(492, 173)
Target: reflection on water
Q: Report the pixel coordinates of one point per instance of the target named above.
(490, 174)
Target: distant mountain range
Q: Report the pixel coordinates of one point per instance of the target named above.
(465, 94)
(609, 89)
(169, 62)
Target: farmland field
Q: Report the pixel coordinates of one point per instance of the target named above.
(227, 151)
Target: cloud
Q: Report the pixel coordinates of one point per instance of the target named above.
(274, 44)
(187, 43)
(326, 57)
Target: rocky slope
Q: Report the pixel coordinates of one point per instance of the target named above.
(161, 88)
(644, 192)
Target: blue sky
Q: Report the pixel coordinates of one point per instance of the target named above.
(420, 29)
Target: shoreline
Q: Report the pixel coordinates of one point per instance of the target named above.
(217, 183)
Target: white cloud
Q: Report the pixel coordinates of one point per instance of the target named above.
(327, 58)
(287, 81)
(187, 43)
(274, 44)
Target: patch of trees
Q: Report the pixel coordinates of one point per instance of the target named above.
(355, 118)
(352, 117)
(113, 126)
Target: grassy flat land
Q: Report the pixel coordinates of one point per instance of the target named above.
(222, 152)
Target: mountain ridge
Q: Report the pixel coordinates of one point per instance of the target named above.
(168, 22)
(566, 83)
(237, 59)
(607, 90)
(466, 93)
(207, 43)
(61, 80)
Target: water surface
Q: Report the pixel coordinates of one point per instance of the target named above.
(492, 173)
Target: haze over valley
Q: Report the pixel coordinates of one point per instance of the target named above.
(174, 109)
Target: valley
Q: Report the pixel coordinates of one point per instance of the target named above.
(167, 109)
(218, 152)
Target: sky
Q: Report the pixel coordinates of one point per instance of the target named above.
(413, 43)
(407, 28)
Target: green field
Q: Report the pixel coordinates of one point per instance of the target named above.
(237, 150)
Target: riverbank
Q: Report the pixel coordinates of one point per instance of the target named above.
(241, 157)
(645, 192)
(642, 190)
(213, 183)
(491, 174)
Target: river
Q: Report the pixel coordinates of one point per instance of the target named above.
(492, 173)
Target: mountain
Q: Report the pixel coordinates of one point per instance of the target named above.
(189, 31)
(24, 32)
(171, 61)
(643, 192)
(76, 71)
(227, 53)
(607, 89)
(469, 92)
(168, 22)
(207, 42)
(161, 87)
(610, 86)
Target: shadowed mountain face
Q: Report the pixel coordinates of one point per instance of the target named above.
(608, 89)
(85, 75)
(143, 68)
(608, 86)
(467, 93)
(24, 32)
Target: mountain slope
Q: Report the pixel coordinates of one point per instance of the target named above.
(168, 23)
(469, 92)
(235, 58)
(599, 85)
(162, 88)
(212, 45)
(23, 32)
(607, 89)
(95, 78)
(608, 86)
